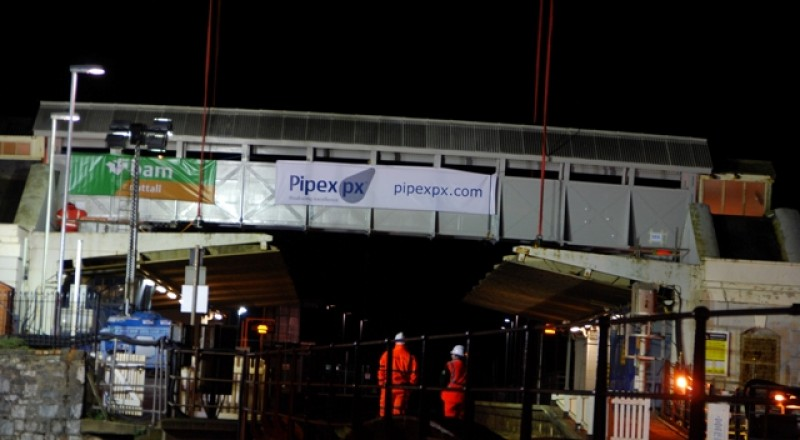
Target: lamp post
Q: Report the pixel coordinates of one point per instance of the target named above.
(344, 325)
(361, 329)
(74, 70)
(55, 117)
(506, 324)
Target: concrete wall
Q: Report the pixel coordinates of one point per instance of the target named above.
(41, 394)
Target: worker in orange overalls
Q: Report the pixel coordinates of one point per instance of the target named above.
(403, 373)
(453, 395)
(74, 215)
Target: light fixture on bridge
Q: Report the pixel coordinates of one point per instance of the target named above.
(157, 135)
(119, 134)
(127, 134)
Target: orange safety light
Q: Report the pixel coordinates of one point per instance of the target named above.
(549, 329)
(262, 329)
(683, 382)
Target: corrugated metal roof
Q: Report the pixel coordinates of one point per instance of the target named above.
(234, 277)
(259, 126)
(547, 295)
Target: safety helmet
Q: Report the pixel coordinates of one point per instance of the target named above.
(458, 350)
(400, 338)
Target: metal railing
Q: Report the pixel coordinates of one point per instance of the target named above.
(515, 371)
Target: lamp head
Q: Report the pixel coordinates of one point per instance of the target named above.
(157, 135)
(64, 117)
(91, 69)
(119, 134)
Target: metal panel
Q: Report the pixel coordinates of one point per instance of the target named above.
(245, 126)
(466, 225)
(227, 205)
(656, 151)
(531, 143)
(437, 136)
(559, 144)
(632, 151)
(659, 216)
(345, 219)
(319, 129)
(520, 209)
(486, 138)
(598, 214)
(414, 136)
(511, 140)
(342, 131)
(270, 127)
(584, 147)
(691, 154)
(245, 190)
(462, 138)
(405, 221)
(193, 124)
(220, 124)
(294, 128)
(685, 152)
(258, 204)
(157, 211)
(609, 149)
(366, 132)
(391, 133)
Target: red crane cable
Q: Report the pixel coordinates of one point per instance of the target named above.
(538, 67)
(204, 126)
(544, 111)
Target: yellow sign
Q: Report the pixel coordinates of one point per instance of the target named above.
(717, 344)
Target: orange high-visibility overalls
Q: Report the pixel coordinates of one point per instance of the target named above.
(404, 372)
(74, 214)
(453, 396)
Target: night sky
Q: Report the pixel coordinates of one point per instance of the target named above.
(720, 71)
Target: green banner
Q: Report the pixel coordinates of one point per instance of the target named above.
(165, 179)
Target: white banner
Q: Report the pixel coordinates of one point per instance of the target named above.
(388, 187)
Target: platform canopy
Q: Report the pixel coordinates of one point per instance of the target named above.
(550, 292)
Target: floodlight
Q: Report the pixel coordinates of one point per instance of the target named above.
(119, 134)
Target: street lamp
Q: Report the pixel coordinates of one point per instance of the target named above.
(74, 70)
(54, 117)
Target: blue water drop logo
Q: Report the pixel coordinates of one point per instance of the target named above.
(354, 188)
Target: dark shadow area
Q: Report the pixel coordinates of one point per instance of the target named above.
(747, 238)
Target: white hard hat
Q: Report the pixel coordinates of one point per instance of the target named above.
(458, 350)
(400, 338)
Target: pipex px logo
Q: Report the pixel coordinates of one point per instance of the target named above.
(351, 189)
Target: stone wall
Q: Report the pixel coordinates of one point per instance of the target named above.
(41, 394)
